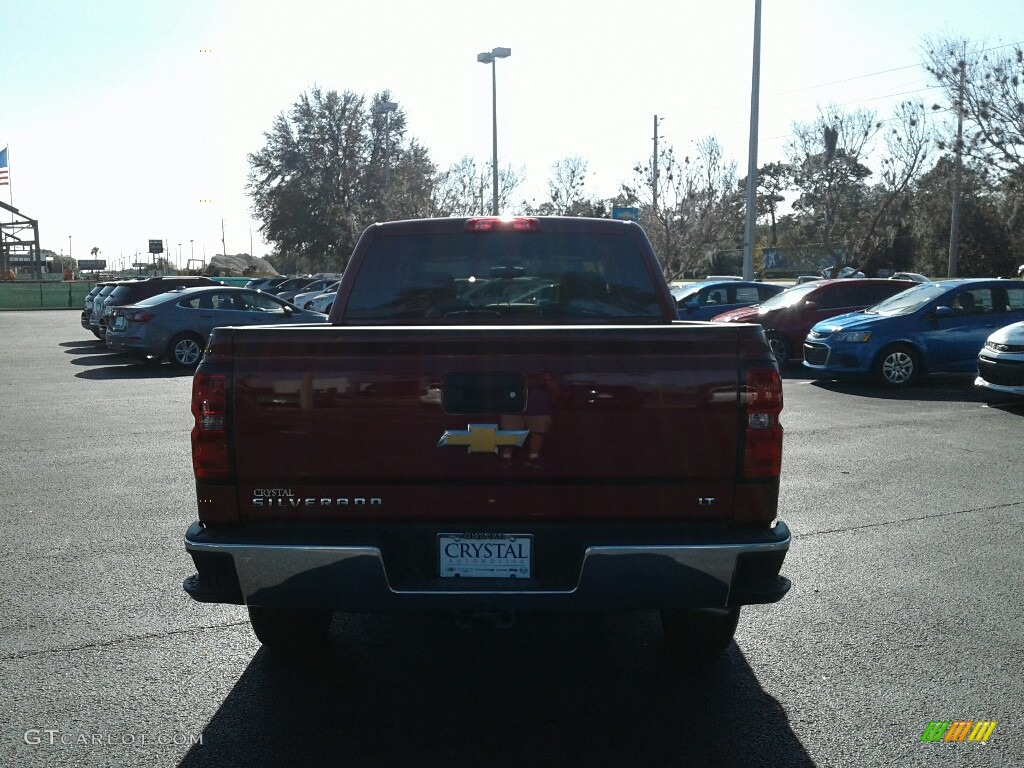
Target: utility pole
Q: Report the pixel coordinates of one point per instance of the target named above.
(654, 168)
(958, 163)
(755, 88)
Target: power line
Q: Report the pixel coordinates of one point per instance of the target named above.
(846, 80)
(884, 71)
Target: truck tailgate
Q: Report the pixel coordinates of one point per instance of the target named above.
(426, 423)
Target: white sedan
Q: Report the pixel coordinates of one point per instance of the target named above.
(305, 299)
(1001, 361)
(324, 301)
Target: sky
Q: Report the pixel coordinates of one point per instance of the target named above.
(128, 121)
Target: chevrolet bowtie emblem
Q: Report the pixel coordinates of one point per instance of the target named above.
(483, 438)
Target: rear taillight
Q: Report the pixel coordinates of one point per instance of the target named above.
(762, 440)
(490, 223)
(138, 316)
(209, 435)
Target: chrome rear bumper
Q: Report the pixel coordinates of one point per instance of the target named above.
(355, 578)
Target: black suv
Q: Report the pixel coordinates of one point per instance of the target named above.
(137, 290)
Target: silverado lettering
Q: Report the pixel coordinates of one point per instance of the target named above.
(548, 435)
(259, 501)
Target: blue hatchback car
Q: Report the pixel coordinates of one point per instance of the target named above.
(704, 300)
(931, 328)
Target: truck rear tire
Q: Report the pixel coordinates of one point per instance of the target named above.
(699, 634)
(284, 629)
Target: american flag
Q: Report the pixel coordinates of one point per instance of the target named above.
(5, 172)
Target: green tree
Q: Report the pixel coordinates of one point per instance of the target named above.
(412, 182)
(826, 160)
(985, 247)
(330, 166)
(772, 180)
(854, 222)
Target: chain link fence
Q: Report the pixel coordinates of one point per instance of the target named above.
(44, 294)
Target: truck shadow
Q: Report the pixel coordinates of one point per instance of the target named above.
(551, 691)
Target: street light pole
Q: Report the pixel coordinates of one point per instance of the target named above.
(491, 57)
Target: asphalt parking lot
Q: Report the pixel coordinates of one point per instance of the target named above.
(907, 607)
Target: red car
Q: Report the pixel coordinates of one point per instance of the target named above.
(787, 318)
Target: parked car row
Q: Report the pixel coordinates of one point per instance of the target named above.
(788, 316)
(894, 330)
(1001, 361)
(936, 327)
(704, 300)
(103, 297)
(315, 292)
(172, 318)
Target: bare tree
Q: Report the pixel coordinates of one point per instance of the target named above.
(464, 189)
(458, 191)
(698, 206)
(509, 180)
(565, 186)
(991, 83)
(908, 143)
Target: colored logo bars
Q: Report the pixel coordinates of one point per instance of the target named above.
(958, 730)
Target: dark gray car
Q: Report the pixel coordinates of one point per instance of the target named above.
(177, 324)
(133, 291)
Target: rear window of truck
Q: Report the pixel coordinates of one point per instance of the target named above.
(483, 277)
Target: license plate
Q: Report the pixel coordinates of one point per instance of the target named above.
(485, 555)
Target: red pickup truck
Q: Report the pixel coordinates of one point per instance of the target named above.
(502, 414)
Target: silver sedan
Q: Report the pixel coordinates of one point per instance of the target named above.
(177, 324)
